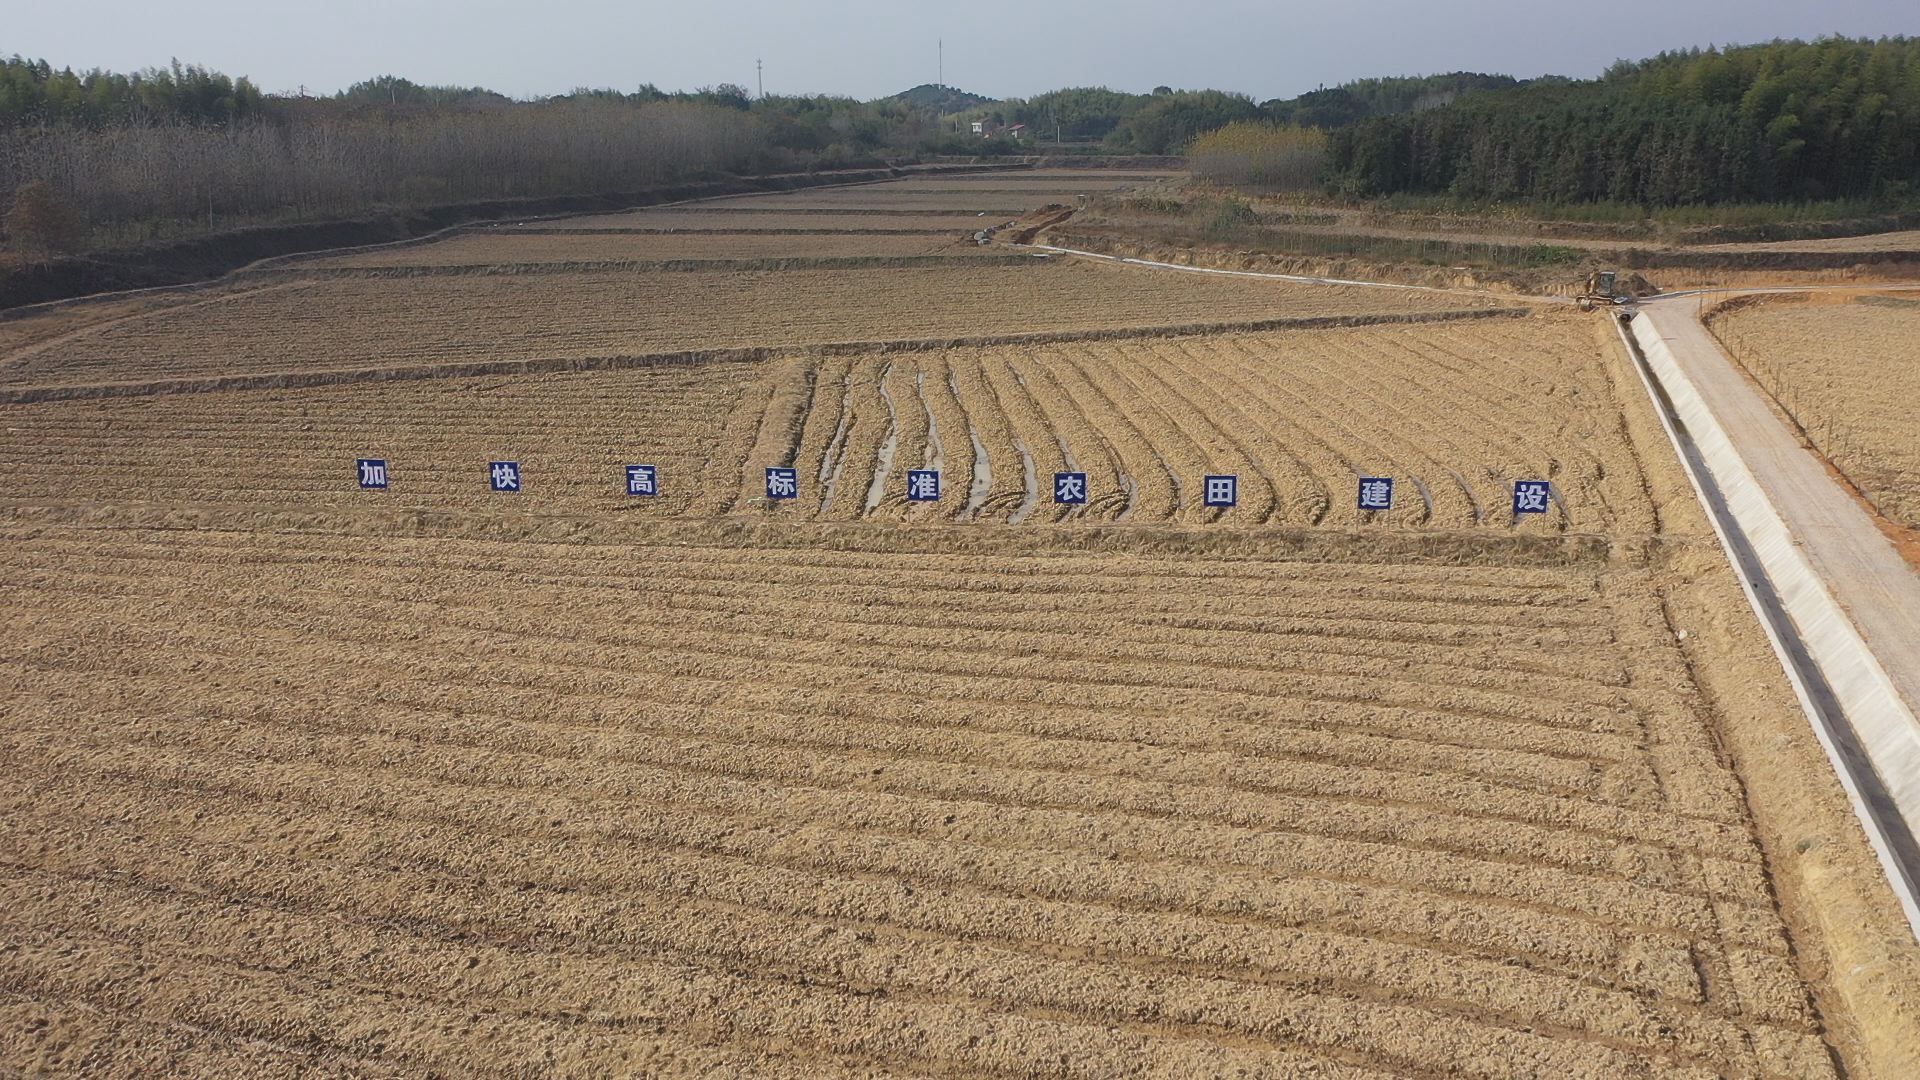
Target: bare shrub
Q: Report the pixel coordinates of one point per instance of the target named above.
(41, 224)
(1260, 155)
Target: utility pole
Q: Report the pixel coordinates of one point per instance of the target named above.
(940, 44)
(759, 80)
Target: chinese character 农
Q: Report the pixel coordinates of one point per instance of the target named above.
(640, 480)
(505, 475)
(1376, 493)
(1531, 496)
(783, 483)
(373, 473)
(1222, 490)
(1070, 488)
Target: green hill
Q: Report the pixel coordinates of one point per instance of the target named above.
(941, 99)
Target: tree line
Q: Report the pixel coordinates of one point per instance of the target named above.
(181, 148)
(1787, 121)
(115, 159)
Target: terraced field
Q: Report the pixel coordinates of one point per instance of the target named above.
(947, 200)
(712, 216)
(374, 323)
(304, 779)
(1849, 375)
(508, 249)
(1299, 416)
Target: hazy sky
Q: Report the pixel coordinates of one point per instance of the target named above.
(869, 49)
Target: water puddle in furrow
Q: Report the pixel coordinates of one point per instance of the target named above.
(833, 460)
(936, 458)
(1066, 455)
(1425, 496)
(982, 473)
(1033, 486)
(878, 489)
(1479, 513)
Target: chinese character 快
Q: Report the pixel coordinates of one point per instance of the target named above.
(1070, 488)
(641, 480)
(373, 473)
(1222, 490)
(923, 485)
(1376, 493)
(783, 483)
(505, 475)
(1531, 496)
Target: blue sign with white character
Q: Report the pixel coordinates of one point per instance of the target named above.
(504, 475)
(783, 483)
(373, 473)
(923, 485)
(1532, 496)
(1070, 488)
(1376, 493)
(1221, 491)
(642, 480)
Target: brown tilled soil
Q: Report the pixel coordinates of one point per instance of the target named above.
(1848, 373)
(717, 216)
(304, 780)
(501, 247)
(381, 322)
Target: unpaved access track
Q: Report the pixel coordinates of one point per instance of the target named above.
(436, 781)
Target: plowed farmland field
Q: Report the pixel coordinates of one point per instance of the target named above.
(713, 216)
(305, 779)
(1849, 375)
(379, 323)
(506, 249)
(950, 199)
(1298, 415)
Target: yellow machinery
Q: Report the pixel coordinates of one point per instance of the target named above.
(1602, 288)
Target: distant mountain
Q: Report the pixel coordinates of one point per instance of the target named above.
(941, 99)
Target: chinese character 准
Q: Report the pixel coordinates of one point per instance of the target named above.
(1531, 496)
(783, 483)
(1070, 488)
(373, 473)
(505, 475)
(1376, 493)
(923, 485)
(641, 480)
(1222, 490)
